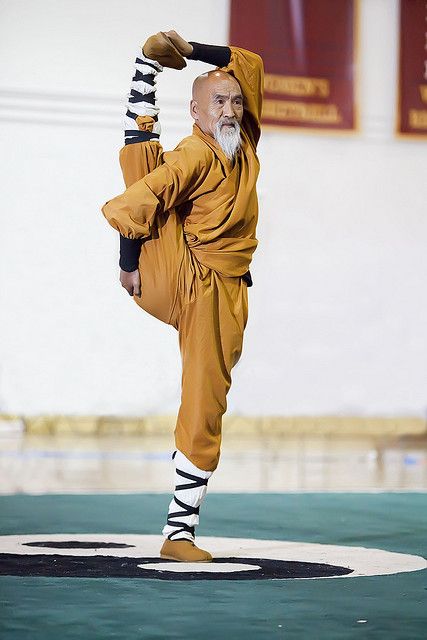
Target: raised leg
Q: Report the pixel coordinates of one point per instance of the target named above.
(165, 265)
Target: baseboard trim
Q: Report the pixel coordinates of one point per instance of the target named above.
(232, 425)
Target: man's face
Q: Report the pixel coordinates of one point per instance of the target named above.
(217, 101)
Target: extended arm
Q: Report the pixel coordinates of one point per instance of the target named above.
(246, 66)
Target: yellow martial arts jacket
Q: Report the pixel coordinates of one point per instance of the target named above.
(215, 199)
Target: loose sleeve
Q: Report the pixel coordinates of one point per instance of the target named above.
(248, 69)
(180, 178)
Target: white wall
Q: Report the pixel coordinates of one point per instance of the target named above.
(338, 310)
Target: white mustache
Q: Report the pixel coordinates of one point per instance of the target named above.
(232, 122)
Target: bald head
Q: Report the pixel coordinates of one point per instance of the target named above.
(206, 81)
(217, 98)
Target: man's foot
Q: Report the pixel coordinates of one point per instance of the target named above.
(161, 48)
(183, 551)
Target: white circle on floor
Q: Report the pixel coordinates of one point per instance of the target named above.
(360, 561)
(205, 567)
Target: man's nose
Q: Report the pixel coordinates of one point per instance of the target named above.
(227, 110)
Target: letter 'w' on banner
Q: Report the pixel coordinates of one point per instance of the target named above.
(309, 53)
(412, 94)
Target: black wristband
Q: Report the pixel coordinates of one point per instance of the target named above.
(219, 56)
(129, 253)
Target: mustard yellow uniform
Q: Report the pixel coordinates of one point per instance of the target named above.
(196, 212)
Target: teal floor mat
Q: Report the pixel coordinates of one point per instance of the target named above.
(390, 606)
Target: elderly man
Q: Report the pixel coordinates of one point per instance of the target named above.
(187, 222)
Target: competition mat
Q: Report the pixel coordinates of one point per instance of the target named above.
(303, 565)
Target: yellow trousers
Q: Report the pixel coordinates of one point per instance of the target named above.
(210, 313)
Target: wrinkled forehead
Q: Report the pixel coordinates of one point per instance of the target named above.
(224, 85)
(216, 83)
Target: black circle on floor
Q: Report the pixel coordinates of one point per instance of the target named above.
(76, 544)
(55, 565)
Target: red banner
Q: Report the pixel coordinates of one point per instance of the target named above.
(308, 48)
(412, 108)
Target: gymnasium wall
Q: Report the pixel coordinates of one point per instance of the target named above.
(338, 309)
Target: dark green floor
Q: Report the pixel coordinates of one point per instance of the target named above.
(395, 607)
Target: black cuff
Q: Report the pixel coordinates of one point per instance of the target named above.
(129, 253)
(219, 56)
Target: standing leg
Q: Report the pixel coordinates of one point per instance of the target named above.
(183, 516)
(211, 336)
(211, 339)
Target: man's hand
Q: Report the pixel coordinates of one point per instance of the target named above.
(184, 47)
(131, 281)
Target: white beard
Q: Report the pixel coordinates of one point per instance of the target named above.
(228, 138)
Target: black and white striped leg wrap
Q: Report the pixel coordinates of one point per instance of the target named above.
(190, 489)
(141, 101)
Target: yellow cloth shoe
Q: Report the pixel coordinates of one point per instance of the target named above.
(183, 551)
(160, 48)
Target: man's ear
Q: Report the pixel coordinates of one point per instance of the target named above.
(194, 111)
